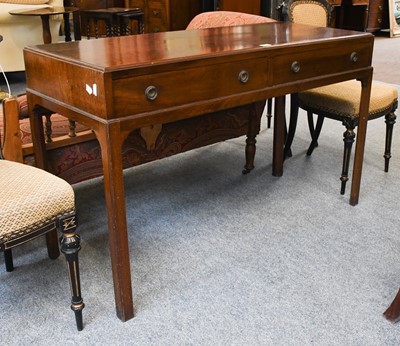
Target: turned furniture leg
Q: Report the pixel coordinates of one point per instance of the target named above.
(252, 132)
(348, 139)
(390, 121)
(392, 313)
(279, 137)
(70, 246)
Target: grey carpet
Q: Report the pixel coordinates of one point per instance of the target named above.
(219, 258)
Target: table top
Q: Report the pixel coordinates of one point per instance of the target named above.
(47, 11)
(138, 50)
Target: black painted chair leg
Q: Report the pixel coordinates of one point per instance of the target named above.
(348, 139)
(311, 127)
(315, 133)
(252, 132)
(70, 246)
(390, 121)
(269, 112)
(294, 114)
(8, 260)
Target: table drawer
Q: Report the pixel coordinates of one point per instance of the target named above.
(169, 89)
(312, 64)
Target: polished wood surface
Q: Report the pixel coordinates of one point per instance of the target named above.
(45, 13)
(124, 83)
(247, 6)
(166, 15)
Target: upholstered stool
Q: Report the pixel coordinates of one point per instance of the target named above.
(35, 202)
(341, 102)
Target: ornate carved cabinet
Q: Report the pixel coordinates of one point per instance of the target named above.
(166, 15)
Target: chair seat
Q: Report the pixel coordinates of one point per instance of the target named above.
(30, 196)
(343, 99)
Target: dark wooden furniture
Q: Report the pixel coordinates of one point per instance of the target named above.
(246, 6)
(49, 207)
(363, 15)
(224, 69)
(114, 19)
(392, 313)
(45, 13)
(166, 15)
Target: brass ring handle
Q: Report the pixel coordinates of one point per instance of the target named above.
(354, 57)
(295, 67)
(243, 76)
(151, 92)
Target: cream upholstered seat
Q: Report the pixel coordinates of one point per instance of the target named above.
(337, 101)
(35, 202)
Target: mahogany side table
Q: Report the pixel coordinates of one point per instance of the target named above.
(45, 13)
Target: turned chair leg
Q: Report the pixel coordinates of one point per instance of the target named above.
(252, 132)
(269, 112)
(390, 121)
(348, 139)
(315, 132)
(8, 260)
(70, 246)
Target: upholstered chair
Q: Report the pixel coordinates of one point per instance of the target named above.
(338, 101)
(34, 203)
(216, 19)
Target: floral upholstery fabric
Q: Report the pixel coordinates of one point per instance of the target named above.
(225, 18)
(30, 196)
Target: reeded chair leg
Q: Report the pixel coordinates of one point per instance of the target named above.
(348, 139)
(390, 121)
(8, 260)
(315, 132)
(70, 246)
(269, 112)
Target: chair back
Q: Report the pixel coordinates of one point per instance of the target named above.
(217, 19)
(309, 12)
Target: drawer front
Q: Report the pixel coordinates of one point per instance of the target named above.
(170, 89)
(312, 64)
(376, 6)
(360, 2)
(375, 20)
